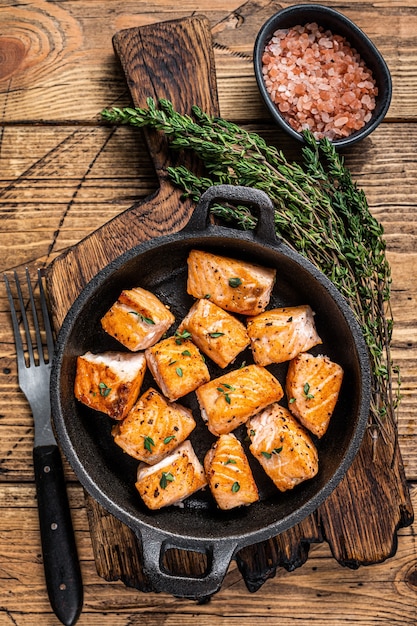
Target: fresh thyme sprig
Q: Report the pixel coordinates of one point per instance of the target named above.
(319, 212)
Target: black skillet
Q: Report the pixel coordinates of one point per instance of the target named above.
(109, 475)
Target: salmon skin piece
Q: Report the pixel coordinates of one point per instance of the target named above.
(229, 474)
(153, 428)
(171, 480)
(177, 366)
(236, 286)
(313, 385)
(283, 447)
(230, 400)
(217, 333)
(138, 319)
(278, 335)
(109, 382)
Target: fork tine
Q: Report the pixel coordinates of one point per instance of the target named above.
(35, 320)
(45, 315)
(18, 339)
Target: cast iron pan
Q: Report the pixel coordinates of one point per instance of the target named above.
(108, 474)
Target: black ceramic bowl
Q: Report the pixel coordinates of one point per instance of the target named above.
(338, 24)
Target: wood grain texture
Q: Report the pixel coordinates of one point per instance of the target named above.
(64, 174)
(341, 519)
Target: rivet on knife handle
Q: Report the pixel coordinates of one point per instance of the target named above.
(61, 564)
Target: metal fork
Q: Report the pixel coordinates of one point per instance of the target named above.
(34, 361)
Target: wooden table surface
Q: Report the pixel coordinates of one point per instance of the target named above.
(63, 174)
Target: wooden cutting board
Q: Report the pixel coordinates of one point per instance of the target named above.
(175, 60)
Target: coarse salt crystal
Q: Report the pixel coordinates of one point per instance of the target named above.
(345, 87)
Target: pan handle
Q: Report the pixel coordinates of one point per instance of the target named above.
(237, 194)
(155, 544)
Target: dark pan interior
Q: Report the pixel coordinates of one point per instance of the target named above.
(109, 474)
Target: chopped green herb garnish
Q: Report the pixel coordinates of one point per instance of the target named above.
(268, 455)
(166, 478)
(172, 362)
(235, 487)
(225, 393)
(104, 389)
(148, 442)
(230, 462)
(215, 335)
(186, 353)
(234, 282)
(143, 318)
(291, 400)
(168, 439)
(179, 371)
(181, 336)
(306, 390)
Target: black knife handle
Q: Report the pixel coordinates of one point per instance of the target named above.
(60, 557)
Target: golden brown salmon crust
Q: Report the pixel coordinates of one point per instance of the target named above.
(283, 447)
(109, 382)
(230, 400)
(171, 480)
(177, 366)
(229, 475)
(138, 319)
(153, 428)
(278, 335)
(313, 384)
(217, 333)
(233, 285)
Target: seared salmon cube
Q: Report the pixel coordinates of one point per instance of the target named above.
(153, 428)
(177, 366)
(138, 319)
(109, 382)
(229, 474)
(283, 447)
(217, 333)
(230, 400)
(278, 335)
(313, 385)
(236, 286)
(173, 479)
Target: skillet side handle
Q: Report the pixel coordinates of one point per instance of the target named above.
(236, 194)
(219, 556)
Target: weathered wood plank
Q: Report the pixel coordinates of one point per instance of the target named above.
(321, 592)
(65, 50)
(60, 182)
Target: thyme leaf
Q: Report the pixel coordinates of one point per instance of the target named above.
(104, 389)
(148, 442)
(166, 478)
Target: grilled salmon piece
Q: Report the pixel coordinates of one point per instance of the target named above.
(230, 400)
(217, 333)
(278, 335)
(171, 480)
(109, 382)
(153, 428)
(229, 475)
(138, 319)
(236, 286)
(282, 446)
(177, 366)
(313, 384)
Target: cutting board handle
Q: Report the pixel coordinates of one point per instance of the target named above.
(173, 60)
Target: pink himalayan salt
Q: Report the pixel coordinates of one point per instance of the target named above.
(318, 81)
